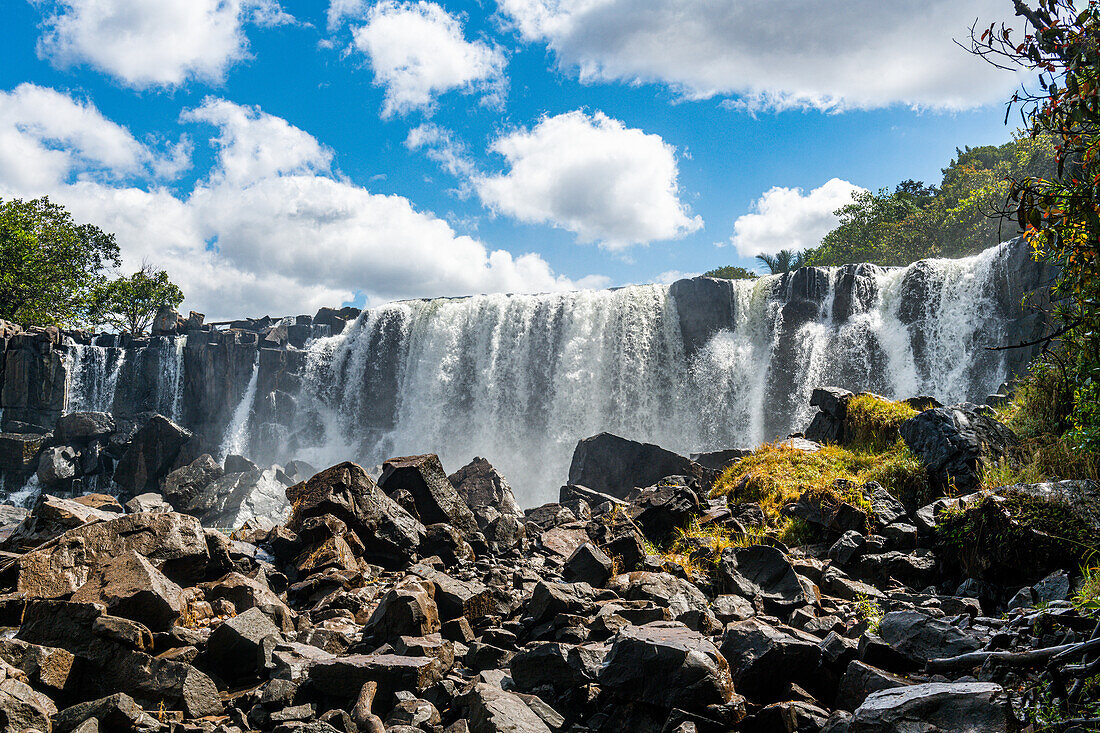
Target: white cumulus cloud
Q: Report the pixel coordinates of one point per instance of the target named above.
(787, 218)
(798, 53)
(418, 51)
(269, 229)
(593, 176)
(153, 43)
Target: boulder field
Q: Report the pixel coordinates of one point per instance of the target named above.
(225, 597)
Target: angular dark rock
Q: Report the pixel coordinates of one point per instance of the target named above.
(860, 680)
(83, 426)
(481, 485)
(344, 677)
(114, 712)
(667, 506)
(847, 548)
(129, 586)
(406, 610)
(389, 534)
(955, 442)
(150, 456)
(241, 646)
(765, 659)
(492, 710)
(175, 540)
(615, 466)
(436, 499)
(24, 709)
(763, 573)
(919, 637)
(190, 488)
(455, 598)
(830, 422)
(667, 665)
(561, 666)
(446, 543)
(588, 564)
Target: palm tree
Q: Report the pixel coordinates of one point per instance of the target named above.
(782, 261)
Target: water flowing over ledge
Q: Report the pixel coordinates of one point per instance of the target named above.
(702, 364)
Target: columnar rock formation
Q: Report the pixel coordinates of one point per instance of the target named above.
(703, 365)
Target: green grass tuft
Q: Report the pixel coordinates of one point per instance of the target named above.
(873, 422)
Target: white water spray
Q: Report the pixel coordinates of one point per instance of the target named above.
(519, 379)
(236, 440)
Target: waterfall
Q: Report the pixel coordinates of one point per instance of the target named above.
(519, 379)
(93, 374)
(235, 440)
(170, 388)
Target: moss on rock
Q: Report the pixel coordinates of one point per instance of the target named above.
(1013, 537)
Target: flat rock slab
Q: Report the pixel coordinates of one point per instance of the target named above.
(344, 676)
(949, 707)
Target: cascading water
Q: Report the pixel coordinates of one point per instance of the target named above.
(171, 400)
(235, 440)
(519, 379)
(93, 374)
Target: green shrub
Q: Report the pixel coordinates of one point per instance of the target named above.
(1013, 537)
(1041, 413)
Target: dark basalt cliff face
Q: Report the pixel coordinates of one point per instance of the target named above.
(197, 374)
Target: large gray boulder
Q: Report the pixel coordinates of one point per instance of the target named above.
(190, 488)
(247, 496)
(83, 426)
(57, 465)
(436, 499)
(129, 586)
(480, 485)
(762, 573)
(919, 637)
(175, 541)
(493, 710)
(390, 535)
(956, 442)
(150, 456)
(938, 707)
(616, 466)
(765, 659)
(668, 665)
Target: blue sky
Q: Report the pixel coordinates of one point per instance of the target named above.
(266, 153)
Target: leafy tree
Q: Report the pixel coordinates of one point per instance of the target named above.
(960, 217)
(1059, 212)
(49, 264)
(782, 261)
(131, 303)
(731, 272)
